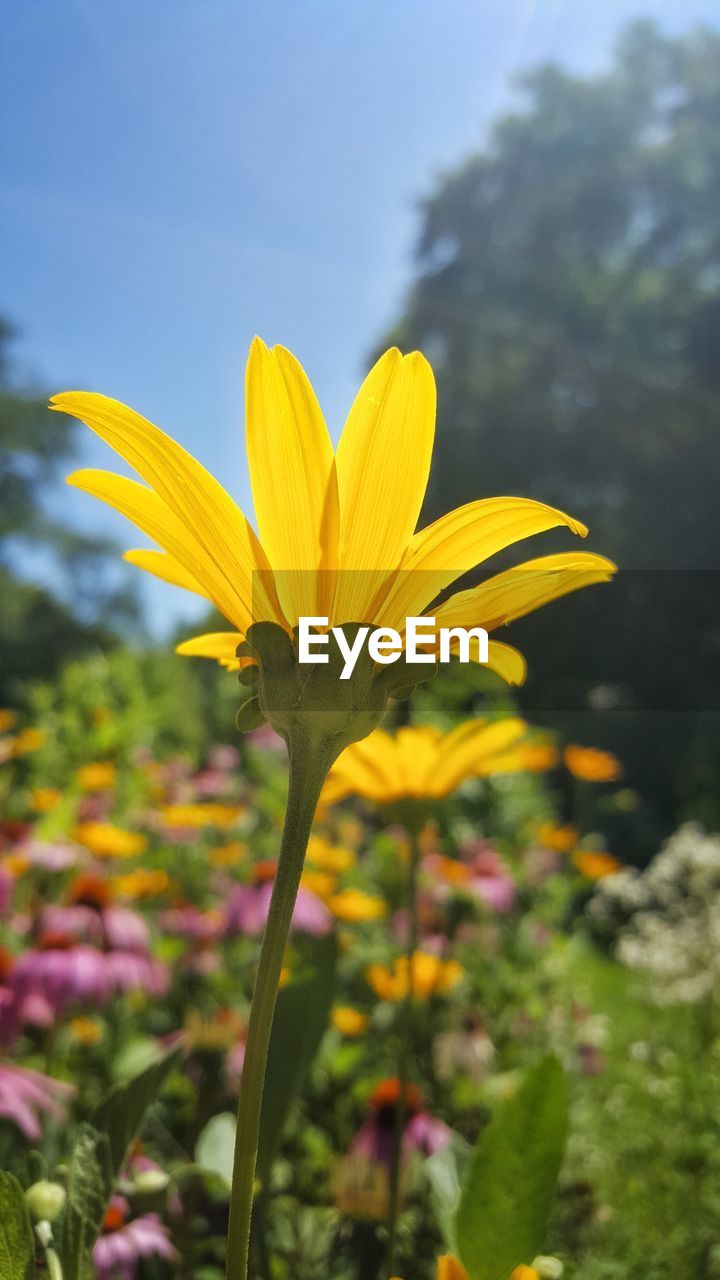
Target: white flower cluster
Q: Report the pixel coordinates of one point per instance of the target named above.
(666, 920)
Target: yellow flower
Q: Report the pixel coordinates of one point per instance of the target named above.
(319, 882)
(220, 1031)
(422, 762)
(560, 838)
(328, 857)
(594, 864)
(7, 719)
(45, 799)
(141, 883)
(529, 757)
(591, 765)
(97, 776)
(228, 855)
(353, 906)
(86, 1031)
(430, 976)
(337, 530)
(202, 815)
(106, 841)
(25, 741)
(348, 1021)
(525, 1273)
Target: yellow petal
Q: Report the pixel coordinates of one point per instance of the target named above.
(165, 567)
(468, 752)
(220, 645)
(368, 768)
(383, 463)
(460, 540)
(506, 662)
(520, 590)
(417, 751)
(196, 499)
(448, 1268)
(146, 510)
(294, 486)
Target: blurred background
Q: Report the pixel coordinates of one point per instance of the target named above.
(529, 193)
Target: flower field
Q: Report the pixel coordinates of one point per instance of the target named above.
(137, 863)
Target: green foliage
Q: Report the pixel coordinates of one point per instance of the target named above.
(17, 1243)
(120, 1115)
(90, 1186)
(301, 1018)
(98, 1154)
(507, 1195)
(216, 1145)
(567, 294)
(87, 604)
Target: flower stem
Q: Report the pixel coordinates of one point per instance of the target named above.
(405, 1028)
(310, 759)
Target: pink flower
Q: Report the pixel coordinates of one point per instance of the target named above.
(52, 857)
(490, 879)
(187, 921)
(137, 971)
(25, 1095)
(249, 904)
(63, 971)
(6, 888)
(224, 757)
(423, 1133)
(126, 1241)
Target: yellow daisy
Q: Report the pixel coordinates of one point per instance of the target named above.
(422, 762)
(336, 530)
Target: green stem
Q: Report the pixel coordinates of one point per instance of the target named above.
(310, 759)
(405, 1028)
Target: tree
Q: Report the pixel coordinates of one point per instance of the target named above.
(41, 627)
(568, 295)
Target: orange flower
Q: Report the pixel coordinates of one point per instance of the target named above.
(7, 719)
(594, 864)
(591, 765)
(560, 838)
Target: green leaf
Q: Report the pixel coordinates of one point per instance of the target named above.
(507, 1196)
(216, 1146)
(98, 1154)
(444, 1171)
(17, 1242)
(121, 1113)
(301, 1018)
(90, 1185)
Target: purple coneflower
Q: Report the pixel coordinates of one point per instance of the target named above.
(125, 1241)
(249, 904)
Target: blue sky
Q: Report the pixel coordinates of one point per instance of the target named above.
(181, 174)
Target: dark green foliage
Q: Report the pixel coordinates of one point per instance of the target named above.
(568, 295)
(17, 1245)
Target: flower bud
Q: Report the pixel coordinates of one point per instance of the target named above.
(150, 1181)
(45, 1201)
(548, 1268)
